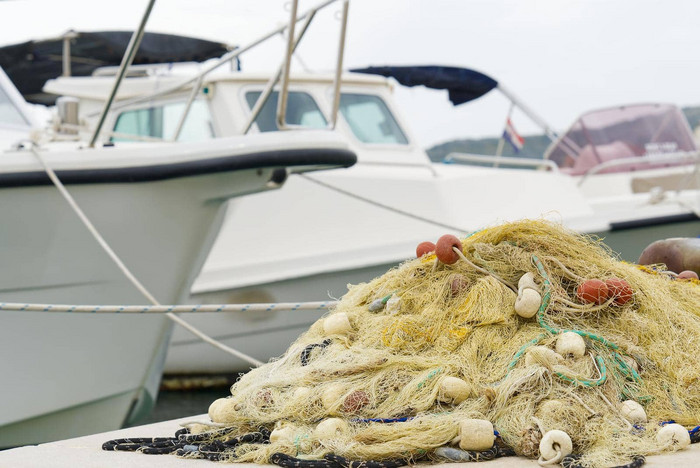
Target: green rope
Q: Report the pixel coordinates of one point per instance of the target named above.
(297, 441)
(522, 350)
(588, 382)
(430, 375)
(621, 366)
(626, 370)
(472, 233)
(546, 298)
(597, 338)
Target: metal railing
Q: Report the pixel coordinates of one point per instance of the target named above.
(262, 99)
(198, 79)
(651, 159)
(291, 46)
(495, 161)
(128, 58)
(67, 37)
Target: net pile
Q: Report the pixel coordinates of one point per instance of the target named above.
(408, 358)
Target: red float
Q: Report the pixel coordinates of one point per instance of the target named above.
(620, 290)
(592, 291)
(355, 401)
(443, 249)
(424, 248)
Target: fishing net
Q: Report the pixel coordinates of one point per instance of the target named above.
(422, 362)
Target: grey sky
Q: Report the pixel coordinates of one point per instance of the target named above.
(562, 57)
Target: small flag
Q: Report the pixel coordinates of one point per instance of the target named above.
(512, 136)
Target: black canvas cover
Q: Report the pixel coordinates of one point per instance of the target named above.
(30, 64)
(462, 84)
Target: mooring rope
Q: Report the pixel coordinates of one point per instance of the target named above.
(166, 309)
(91, 227)
(123, 268)
(383, 206)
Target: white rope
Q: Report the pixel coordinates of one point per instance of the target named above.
(142, 289)
(484, 271)
(88, 224)
(383, 206)
(165, 309)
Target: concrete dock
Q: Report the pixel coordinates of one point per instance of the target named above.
(86, 452)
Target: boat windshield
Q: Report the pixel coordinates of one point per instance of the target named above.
(162, 121)
(302, 110)
(370, 119)
(620, 133)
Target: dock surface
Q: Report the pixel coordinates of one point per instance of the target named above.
(86, 452)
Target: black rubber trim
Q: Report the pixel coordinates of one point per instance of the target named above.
(313, 157)
(661, 220)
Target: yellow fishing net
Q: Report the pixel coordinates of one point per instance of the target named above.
(405, 359)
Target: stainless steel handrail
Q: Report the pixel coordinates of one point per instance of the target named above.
(284, 92)
(495, 160)
(660, 158)
(339, 65)
(570, 147)
(226, 58)
(264, 96)
(67, 37)
(128, 58)
(193, 94)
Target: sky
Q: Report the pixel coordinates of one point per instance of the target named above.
(561, 57)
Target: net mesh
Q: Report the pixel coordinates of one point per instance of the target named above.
(394, 347)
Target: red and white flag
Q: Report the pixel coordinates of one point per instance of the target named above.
(513, 137)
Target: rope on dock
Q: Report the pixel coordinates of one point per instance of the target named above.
(377, 204)
(167, 309)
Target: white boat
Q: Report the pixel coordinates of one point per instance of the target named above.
(335, 228)
(366, 229)
(159, 206)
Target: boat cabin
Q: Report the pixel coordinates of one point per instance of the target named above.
(224, 104)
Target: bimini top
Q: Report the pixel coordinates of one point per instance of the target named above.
(622, 132)
(463, 85)
(30, 64)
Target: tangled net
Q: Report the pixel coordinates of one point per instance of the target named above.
(415, 364)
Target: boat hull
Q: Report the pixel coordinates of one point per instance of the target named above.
(61, 364)
(160, 209)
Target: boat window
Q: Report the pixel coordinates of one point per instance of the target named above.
(301, 110)
(161, 122)
(9, 114)
(370, 119)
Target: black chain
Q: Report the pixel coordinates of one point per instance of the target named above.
(185, 443)
(574, 461)
(494, 452)
(307, 351)
(333, 461)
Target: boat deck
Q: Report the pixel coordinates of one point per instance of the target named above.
(86, 452)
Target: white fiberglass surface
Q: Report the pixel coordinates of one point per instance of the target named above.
(9, 114)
